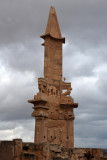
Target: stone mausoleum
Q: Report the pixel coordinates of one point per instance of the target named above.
(53, 111)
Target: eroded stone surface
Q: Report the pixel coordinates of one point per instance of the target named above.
(53, 105)
(53, 111)
(18, 150)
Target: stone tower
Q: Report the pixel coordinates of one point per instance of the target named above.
(53, 105)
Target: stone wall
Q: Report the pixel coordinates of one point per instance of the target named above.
(18, 150)
(6, 150)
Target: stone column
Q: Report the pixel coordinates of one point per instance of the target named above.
(17, 152)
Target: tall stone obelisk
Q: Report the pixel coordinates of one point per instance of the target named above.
(53, 108)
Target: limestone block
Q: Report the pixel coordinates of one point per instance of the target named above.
(29, 156)
(40, 112)
(78, 150)
(55, 148)
(53, 123)
(54, 116)
(56, 66)
(58, 72)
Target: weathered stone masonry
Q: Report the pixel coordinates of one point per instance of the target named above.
(53, 111)
(53, 108)
(18, 150)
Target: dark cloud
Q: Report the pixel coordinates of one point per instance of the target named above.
(14, 97)
(23, 57)
(84, 24)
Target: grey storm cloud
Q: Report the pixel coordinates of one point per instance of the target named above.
(84, 25)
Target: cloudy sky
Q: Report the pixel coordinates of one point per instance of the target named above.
(84, 24)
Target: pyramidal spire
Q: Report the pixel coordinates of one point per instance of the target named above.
(52, 26)
(53, 29)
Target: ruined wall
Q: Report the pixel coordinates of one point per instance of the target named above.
(18, 150)
(47, 151)
(6, 150)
